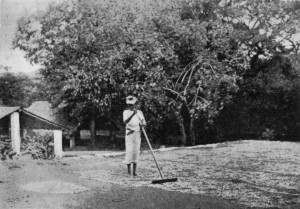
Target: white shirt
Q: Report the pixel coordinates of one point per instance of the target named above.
(136, 120)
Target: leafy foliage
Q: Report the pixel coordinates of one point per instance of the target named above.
(18, 89)
(38, 146)
(185, 60)
(89, 57)
(6, 150)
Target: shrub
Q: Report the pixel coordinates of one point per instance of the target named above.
(39, 146)
(6, 148)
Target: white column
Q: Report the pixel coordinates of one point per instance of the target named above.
(15, 132)
(58, 143)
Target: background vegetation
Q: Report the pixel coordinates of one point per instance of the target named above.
(204, 71)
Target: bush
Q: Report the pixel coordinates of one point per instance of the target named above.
(6, 148)
(39, 146)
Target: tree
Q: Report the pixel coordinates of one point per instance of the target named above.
(267, 98)
(206, 75)
(15, 90)
(93, 54)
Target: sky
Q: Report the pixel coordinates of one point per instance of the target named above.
(10, 12)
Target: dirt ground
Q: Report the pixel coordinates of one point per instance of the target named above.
(244, 174)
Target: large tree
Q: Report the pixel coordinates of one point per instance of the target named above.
(234, 35)
(93, 54)
(267, 99)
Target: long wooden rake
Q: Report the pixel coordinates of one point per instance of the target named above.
(162, 180)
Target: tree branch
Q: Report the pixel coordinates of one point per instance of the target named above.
(175, 92)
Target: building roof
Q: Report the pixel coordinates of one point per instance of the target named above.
(4, 111)
(39, 110)
(42, 109)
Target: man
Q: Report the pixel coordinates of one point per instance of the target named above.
(133, 119)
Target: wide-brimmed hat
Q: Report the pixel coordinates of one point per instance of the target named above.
(131, 100)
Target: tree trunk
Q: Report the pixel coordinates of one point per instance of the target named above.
(93, 131)
(219, 133)
(187, 124)
(182, 129)
(112, 136)
(192, 132)
(298, 111)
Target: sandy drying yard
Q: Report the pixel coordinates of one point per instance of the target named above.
(253, 173)
(242, 174)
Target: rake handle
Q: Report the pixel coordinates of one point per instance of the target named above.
(160, 173)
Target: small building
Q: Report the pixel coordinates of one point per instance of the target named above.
(14, 121)
(43, 109)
